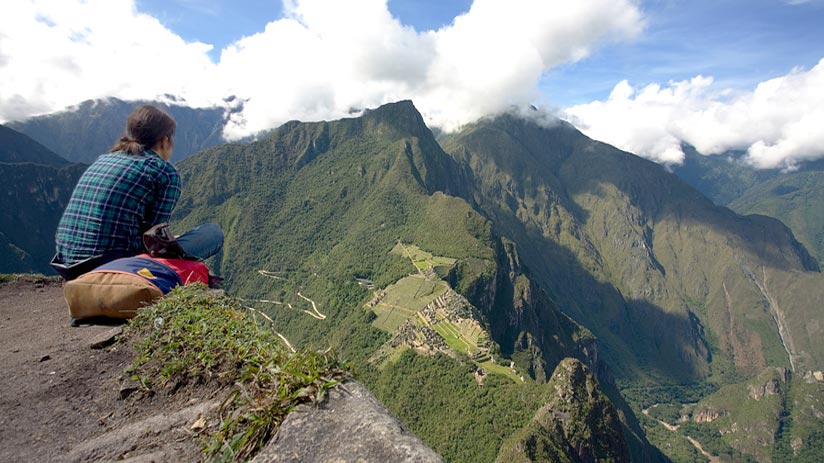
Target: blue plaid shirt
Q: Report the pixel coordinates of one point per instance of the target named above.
(118, 198)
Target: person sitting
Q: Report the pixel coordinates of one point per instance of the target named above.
(123, 194)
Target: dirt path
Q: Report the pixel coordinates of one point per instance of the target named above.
(314, 313)
(674, 428)
(58, 394)
(411, 259)
(47, 400)
(712, 458)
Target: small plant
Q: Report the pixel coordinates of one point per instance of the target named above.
(195, 337)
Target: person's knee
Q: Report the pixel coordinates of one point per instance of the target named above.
(215, 231)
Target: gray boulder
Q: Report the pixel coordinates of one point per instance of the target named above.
(350, 426)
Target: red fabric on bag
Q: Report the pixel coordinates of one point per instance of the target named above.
(190, 271)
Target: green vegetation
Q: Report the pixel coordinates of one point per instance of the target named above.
(405, 298)
(577, 424)
(192, 337)
(421, 259)
(795, 199)
(32, 198)
(791, 197)
(800, 437)
(389, 318)
(440, 401)
(668, 413)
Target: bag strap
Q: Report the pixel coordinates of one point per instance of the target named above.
(159, 242)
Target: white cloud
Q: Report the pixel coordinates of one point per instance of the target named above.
(328, 57)
(778, 123)
(324, 58)
(56, 53)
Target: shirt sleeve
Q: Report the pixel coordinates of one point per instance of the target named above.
(166, 193)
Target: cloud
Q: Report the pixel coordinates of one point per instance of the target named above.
(325, 58)
(321, 60)
(57, 53)
(778, 123)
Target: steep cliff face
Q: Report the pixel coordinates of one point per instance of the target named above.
(577, 424)
(527, 325)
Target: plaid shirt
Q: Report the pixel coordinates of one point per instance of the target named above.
(118, 198)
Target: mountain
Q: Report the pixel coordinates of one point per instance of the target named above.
(37, 185)
(32, 199)
(16, 147)
(723, 177)
(682, 294)
(314, 208)
(653, 268)
(791, 197)
(81, 133)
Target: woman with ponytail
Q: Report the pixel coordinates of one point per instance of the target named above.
(123, 194)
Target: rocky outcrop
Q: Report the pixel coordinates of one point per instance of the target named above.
(708, 416)
(350, 426)
(578, 423)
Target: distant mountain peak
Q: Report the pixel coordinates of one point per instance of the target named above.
(402, 116)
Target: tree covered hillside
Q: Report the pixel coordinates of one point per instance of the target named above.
(313, 207)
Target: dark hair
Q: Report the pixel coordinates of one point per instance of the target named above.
(145, 127)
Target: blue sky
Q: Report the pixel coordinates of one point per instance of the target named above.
(643, 75)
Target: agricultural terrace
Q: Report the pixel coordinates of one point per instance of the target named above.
(469, 338)
(404, 299)
(421, 259)
(463, 337)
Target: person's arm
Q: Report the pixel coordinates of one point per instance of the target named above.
(166, 193)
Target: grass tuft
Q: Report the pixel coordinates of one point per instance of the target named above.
(194, 337)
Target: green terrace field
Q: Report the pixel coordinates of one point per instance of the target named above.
(464, 338)
(421, 259)
(405, 298)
